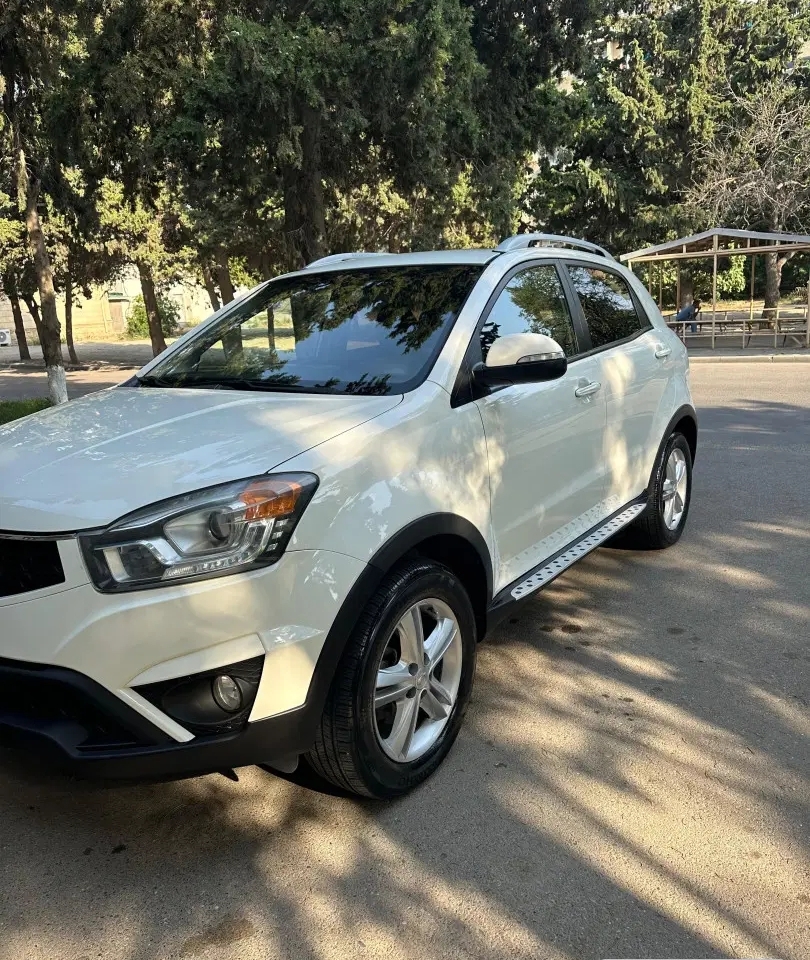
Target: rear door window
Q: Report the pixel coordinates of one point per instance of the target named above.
(609, 309)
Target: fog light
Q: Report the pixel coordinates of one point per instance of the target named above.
(227, 693)
(212, 702)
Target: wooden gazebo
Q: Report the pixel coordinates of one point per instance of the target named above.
(725, 242)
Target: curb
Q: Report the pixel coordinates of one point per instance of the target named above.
(769, 358)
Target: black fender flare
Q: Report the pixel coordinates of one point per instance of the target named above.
(685, 411)
(384, 560)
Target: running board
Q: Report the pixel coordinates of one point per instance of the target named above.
(576, 552)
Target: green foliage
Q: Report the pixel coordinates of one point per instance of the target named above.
(657, 83)
(14, 409)
(138, 324)
(236, 139)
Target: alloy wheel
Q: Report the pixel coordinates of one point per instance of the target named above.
(418, 679)
(674, 489)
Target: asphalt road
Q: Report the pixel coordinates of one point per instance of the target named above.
(632, 780)
(103, 365)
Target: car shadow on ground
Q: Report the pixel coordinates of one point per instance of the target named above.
(631, 781)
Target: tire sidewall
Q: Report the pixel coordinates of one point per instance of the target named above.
(676, 441)
(382, 774)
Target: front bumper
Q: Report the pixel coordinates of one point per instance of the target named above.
(75, 724)
(75, 663)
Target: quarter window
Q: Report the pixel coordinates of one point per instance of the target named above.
(608, 307)
(532, 302)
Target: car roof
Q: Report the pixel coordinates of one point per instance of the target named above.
(520, 244)
(343, 261)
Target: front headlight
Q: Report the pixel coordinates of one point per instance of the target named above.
(225, 529)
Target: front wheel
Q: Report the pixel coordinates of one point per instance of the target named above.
(662, 522)
(402, 687)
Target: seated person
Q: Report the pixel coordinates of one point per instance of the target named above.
(689, 312)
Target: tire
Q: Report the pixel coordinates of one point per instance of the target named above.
(652, 530)
(356, 743)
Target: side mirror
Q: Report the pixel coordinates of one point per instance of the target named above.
(521, 358)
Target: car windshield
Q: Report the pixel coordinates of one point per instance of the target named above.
(372, 331)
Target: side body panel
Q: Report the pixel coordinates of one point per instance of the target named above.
(672, 389)
(547, 474)
(419, 459)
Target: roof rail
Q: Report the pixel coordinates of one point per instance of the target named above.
(522, 240)
(338, 258)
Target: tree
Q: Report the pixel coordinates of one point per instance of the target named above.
(148, 237)
(13, 257)
(298, 100)
(755, 171)
(276, 121)
(138, 321)
(621, 156)
(37, 46)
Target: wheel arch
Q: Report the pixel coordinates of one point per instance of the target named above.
(447, 538)
(685, 421)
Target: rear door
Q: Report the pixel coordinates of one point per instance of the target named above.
(544, 440)
(634, 369)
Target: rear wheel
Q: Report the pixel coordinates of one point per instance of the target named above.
(662, 522)
(402, 687)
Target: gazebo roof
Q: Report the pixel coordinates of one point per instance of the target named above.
(722, 241)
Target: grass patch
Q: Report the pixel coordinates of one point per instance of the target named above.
(14, 409)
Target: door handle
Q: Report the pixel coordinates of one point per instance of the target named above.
(661, 351)
(587, 388)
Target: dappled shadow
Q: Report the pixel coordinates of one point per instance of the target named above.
(632, 780)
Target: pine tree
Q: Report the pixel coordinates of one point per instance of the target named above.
(655, 86)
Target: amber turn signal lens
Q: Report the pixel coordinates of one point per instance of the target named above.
(265, 499)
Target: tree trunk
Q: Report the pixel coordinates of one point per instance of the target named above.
(773, 281)
(687, 290)
(773, 277)
(304, 217)
(210, 286)
(69, 319)
(150, 301)
(224, 277)
(50, 336)
(33, 309)
(271, 329)
(231, 341)
(19, 326)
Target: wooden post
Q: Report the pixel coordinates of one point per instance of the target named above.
(649, 277)
(714, 290)
(751, 299)
(807, 331)
(661, 286)
(678, 287)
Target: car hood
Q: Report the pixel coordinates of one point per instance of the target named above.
(85, 463)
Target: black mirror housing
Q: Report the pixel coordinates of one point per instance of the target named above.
(533, 371)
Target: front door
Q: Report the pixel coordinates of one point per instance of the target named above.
(544, 440)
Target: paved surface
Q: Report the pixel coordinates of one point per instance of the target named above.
(105, 364)
(632, 780)
(102, 365)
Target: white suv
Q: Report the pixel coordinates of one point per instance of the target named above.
(285, 536)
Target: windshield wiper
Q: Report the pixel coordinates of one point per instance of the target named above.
(210, 383)
(150, 380)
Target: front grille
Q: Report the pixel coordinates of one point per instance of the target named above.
(27, 565)
(35, 695)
